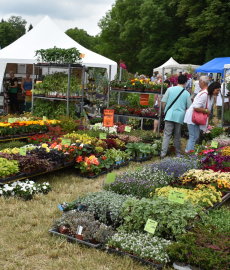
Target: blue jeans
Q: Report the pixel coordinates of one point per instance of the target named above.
(194, 132)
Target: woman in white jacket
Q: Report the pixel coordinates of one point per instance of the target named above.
(204, 98)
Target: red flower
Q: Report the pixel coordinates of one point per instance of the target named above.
(103, 157)
(79, 159)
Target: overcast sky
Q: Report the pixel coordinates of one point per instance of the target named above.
(83, 14)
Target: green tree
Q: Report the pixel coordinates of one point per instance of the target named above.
(82, 37)
(19, 26)
(206, 29)
(30, 27)
(6, 34)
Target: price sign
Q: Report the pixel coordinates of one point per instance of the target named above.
(214, 144)
(108, 118)
(11, 120)
(44, 118)
(110, 178)
(176, 196)
(127, 129)
(102, 136)
(23, 151)
(150, 226)
(138, 168)
(66, 141)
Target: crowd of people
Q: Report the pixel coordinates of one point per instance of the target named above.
(191, 97)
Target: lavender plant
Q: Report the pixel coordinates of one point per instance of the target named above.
(140, 183)
(176, 166)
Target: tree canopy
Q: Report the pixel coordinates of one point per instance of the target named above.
(11, 30)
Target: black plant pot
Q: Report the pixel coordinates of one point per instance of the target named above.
(147, 127)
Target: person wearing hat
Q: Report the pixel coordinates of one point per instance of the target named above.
(210, 79)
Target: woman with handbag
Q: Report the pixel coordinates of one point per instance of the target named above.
(197, 115)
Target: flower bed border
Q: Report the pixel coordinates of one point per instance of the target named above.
(121, 253)
(55, 231)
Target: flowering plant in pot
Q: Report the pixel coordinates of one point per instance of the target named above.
(24, 189)
(8, 167)
(88, 165)
(106, 162)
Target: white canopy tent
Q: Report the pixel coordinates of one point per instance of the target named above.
(172, 64)
(45, 35)
(171, 61)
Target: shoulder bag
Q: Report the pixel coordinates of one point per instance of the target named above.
(199, 118)
(174, 101)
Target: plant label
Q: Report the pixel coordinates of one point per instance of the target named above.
(108, 118)
(102, 136)
(44, 118)
(66, 141)
(110, 178)
(127, 129)
(214, 144)
(138, 168)
(79, 230)
(176, 196)
(23, 151)
(59, 206)
(150, 226)
(11, 120)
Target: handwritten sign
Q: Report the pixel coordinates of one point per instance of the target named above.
(127, 129)
(176, 196)
(44, 118)
(150, 226)
(108, 118)
(110, 178)
(102, 136)
(214, 144)
(23, 151)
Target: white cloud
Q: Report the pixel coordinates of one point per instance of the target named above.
(65, 13)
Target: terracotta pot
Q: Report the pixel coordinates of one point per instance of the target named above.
(5, 176)
(79, 237)
(95, 242)
(223, 193)
(91, 174)
(64, 230)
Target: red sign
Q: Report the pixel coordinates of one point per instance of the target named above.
(108, 118)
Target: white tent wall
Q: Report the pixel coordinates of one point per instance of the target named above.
(2, 72)
(46, 35)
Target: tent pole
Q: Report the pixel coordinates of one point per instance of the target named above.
(32, 105)
(222, 111)
(82, 97)
(162, 86)
(109, 86)
(119, 94)
(69, 74)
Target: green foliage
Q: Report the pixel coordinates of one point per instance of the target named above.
(12, 144)
(227, 116)
(58, 55)
(83, 38)
(207, 247)
(68, 124)
(172, 217)
(220, 218)
(53, 109)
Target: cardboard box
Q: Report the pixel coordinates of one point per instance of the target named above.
(11, 67)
